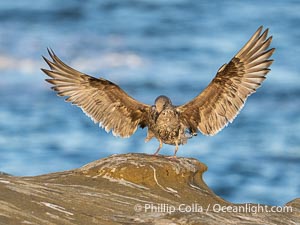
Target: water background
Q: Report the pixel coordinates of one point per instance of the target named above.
(152, 47)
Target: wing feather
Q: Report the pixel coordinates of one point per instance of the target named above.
(227, 93)
(103, 101)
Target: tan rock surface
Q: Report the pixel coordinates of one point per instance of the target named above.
(128, 189)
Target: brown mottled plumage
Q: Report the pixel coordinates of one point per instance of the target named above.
(107, 104)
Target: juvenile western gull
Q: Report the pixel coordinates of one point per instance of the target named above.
(220, 102)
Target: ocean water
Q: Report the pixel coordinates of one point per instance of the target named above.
(149, 48)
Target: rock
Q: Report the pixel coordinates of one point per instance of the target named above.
(129, 189)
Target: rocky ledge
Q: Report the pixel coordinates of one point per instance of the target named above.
(129, 189)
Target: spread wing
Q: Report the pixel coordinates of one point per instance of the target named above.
(225, 96)
(103, 101)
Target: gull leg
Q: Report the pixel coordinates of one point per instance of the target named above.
(174, 157)
(159, 147)
(176, 149)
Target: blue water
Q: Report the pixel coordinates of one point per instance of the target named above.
(152, 47)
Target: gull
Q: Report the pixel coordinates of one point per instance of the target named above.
(209, 112)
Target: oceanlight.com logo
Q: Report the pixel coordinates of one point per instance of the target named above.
(216, 208)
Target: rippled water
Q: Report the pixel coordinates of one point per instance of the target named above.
(149, 48)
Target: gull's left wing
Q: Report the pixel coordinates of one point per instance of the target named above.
(225, 96)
